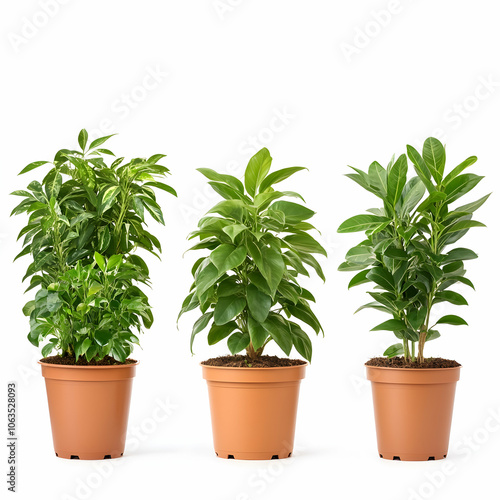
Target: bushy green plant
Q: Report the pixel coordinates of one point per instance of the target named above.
(247, 287)
(406, 252)
(86, 220)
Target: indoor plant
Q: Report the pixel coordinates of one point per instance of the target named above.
(406, 255)
(86, 219)
(247, 291)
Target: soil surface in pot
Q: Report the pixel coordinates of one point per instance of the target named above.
(239, 361)
(70, 360)
(399, 362)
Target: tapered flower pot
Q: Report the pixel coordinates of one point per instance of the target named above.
(413, 411)
(89, 408)
(253, 410)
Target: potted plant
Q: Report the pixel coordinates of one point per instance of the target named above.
(86, 220)
(408, 255)
(247, 290)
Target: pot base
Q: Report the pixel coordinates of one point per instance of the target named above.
(254, 455)
(411, 457)
(87, 456)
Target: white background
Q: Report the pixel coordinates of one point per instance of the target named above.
(231, 76)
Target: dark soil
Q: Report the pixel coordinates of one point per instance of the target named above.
(399, 362)
(239, 361)
(70, 360)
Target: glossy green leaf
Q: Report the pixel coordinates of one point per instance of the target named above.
(278, 176)
(451, 319)
(259, 303)
(257, 169)
(228, 308)
(220, 332)
(362, 222)
(392, 325)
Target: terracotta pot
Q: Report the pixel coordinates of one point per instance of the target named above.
(253, 410)
(413, 411)
(88, 408)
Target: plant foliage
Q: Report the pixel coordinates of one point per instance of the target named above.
(247, 288)
(86, 221)
(407, 253)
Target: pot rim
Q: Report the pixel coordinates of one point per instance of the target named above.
(397, 368)
(86, 367)
(306, 363)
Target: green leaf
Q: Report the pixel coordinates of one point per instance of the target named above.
(461, 185)
(153, 208)
(259, 304)
(458, 254)
(394, 350)
(258, 334)
(228, 287)
(361, 223)
(303, 242)
(53, 183)
(278, 176)
(301, 341)
(452, 297)
(361, 254)
(311, 261)
(100, 261)
(227, 179)
(392, 325)
(32, 166)
(234, 230)
(279, 331)
(269, 262)
(472, 207)
(99, 141)
(226, 257)
(205, 278)
(47, 349)
(108, 198)
(256, 170)
(138, 206)
(237, 342)
(81, 348)
(459, 168)
(416, 317)
(381, 277)
(451, 319)
(82, 139)
(228, 308)
(434, 197)
(435, 157)
(396, 180)
(94, 288)
(421, 168)
(463, 224)
(102, 337)
(162, 186)
(413, 192)
(233, 209)
(303, 312)
(29, 307)
(200, 324)
(294, 213)
(359, 279)
(431, 335)
(220, 332)
(114, 261)
(377, 176)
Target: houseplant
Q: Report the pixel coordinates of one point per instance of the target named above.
(247, 290)
(86, 220)
(407, 255)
